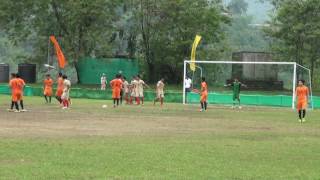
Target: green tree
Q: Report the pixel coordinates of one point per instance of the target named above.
(238, 7)
(82, 27)
(167, 29)
(296, 31)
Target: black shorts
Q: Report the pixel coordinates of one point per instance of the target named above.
(188, 90)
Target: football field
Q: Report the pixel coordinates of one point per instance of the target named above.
(147, 142)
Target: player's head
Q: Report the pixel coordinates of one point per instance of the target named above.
(48, 76)
(18, 75)
(162, 79)
(236, 80)
(64, 77)
(60, 74)
(118, 76)
(203, 79)
(13, 75)
(124, 78)
(301, 82)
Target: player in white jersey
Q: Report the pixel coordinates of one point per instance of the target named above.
(66, 92)
(133, 88)
(125, 89)
(139, 90)
(159, 92)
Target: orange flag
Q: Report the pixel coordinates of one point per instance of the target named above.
(60, 55)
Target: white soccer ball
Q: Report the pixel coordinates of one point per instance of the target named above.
(104, 106)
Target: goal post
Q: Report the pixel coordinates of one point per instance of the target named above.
(268, 83)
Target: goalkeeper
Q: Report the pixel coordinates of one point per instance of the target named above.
(236, 88)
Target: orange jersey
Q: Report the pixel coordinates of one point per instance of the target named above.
(302, 93)
(16, 87)
(48, 83)
(14, 84)
(59, 87)
(116, 84)
(60, 83)
(204, 88)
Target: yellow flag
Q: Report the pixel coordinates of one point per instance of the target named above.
(193, 52)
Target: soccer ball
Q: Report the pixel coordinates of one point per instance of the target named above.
(104, 106)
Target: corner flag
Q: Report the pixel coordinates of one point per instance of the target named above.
(193, 52)
(60, 56)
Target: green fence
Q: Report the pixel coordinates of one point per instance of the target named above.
(90, 69)
(213, 98)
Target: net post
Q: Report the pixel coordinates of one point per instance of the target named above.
(311, 94)
(294, 84)
(184, 78)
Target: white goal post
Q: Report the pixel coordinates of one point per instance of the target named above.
(201, 63)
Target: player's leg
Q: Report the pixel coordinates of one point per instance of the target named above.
(17, 106)
(239, 102)
(202, 106)
(46, 98)
(121, 97)
(12, 105)
(118, 100)
(161, 101)
(299, 108)
(22, 105)
(304, 110)
(141, 97)
(205, 100)
(234, 98)
(205, 104)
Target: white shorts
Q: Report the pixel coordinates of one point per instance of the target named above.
(139, 93)
(65, 95)
(160, 94)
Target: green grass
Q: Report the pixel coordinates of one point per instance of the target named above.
(176, 142)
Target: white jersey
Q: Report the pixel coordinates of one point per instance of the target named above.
(125, 86)
(140, 85)
(188, 83)
(160, 91)
(66, 89)
(134, 84)
(103, 80)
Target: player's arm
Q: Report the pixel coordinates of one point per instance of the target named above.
(146, 85)
(227, 85)
(44, 85)
(243, 85)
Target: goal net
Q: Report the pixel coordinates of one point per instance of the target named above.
(263, 83)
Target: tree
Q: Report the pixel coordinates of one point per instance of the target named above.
(296, 30)
(82, 27)
(167, 29)
(238, 7)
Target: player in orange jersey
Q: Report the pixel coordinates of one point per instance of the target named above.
(116, 85)
(47, 88)
(203, 95)
(16, 95)
(59, 91)
(22, 84)
(302, 96)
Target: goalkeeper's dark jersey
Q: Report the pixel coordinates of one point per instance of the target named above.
(236, 87)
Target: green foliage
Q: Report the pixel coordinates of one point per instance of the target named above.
(296, 32)
(238, 7)
(158, 32)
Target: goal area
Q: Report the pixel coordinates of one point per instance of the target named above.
(263, 83)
